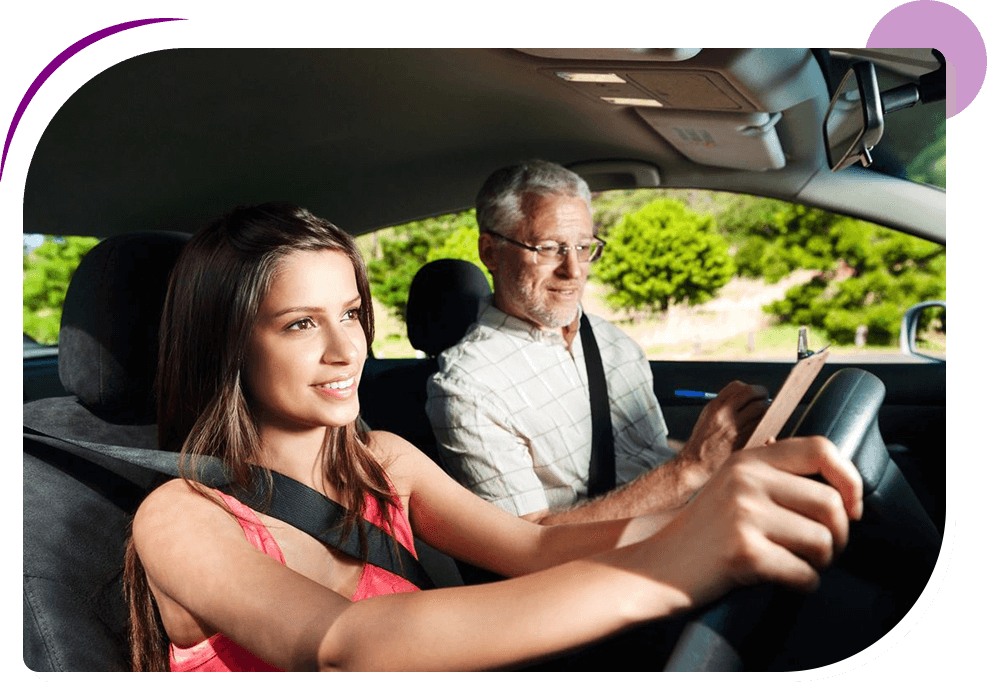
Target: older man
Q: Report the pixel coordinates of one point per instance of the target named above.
(510, 405)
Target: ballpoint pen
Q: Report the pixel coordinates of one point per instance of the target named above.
(702, 395)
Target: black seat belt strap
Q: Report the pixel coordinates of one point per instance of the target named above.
(290, 501)
(315, 514)
(602, 464)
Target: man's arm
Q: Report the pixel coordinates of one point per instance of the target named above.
(660, 492)
(723, 426)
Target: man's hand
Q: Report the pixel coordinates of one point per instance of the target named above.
(724, 425)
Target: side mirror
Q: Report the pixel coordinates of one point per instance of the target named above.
(854, 121)
(911, 325)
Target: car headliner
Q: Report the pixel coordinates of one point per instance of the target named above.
(374, 137)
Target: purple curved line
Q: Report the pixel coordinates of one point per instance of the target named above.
(57, 62)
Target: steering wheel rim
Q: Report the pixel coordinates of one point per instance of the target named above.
(845, 411)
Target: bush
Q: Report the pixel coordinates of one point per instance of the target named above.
(888, 273)
(663, 254)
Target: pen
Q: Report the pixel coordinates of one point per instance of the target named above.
(704, 395)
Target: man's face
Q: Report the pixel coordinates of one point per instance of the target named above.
(545, 294)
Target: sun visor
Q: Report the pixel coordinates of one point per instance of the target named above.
(743, 140)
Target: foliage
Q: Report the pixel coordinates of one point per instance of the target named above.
(610, 207)
(669, 246)
(776, 238)
(883, 273)
(461, 244)
(47, 271)
(408, 247)
(663, 254)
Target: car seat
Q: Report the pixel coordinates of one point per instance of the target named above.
(77, 505)
(443, 301)
(77, 502)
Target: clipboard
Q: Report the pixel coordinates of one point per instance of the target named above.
(791, 392)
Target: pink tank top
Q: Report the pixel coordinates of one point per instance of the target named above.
(221, 654)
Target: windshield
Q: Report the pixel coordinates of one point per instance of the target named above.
(914, 142)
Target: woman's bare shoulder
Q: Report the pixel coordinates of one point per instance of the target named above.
(402, 460)
(175, 507)
(177, 492)
(383, 443)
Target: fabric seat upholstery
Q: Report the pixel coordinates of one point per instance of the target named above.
(77, 509)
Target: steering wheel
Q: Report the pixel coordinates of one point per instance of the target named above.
(887, 563)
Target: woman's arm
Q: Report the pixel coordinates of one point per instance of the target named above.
(207, 578)
(505, 623)
(457, 522)
(757, 519)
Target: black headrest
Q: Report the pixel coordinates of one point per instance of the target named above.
(108, 342)
(442, 303)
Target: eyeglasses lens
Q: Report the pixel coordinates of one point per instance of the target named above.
(585, 253)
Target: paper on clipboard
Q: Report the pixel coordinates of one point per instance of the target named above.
(784, 404)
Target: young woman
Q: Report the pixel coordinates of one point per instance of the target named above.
(264, 335)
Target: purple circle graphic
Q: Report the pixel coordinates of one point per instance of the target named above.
(926, 23)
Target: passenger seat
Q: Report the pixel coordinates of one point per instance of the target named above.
(443, 302)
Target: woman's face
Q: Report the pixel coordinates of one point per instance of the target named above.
(307, 349)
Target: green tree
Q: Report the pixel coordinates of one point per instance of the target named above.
(779, 238)
(461, 244)
(47, 271)
(663, 254)
(410, 246)
(878, 274)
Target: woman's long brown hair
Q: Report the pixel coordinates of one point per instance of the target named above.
(213, 299)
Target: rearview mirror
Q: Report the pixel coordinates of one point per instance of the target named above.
(923, 328)
(854, 121)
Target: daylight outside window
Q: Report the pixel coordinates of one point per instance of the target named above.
(700, 275)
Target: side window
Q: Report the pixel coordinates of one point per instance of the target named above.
(49, 263)
(700, 275)
(710, 275)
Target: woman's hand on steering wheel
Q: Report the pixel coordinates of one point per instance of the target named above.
(761, 519)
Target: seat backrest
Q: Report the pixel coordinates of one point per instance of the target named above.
(77, 509)
(443, 302)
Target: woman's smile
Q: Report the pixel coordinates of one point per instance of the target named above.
(340, 389)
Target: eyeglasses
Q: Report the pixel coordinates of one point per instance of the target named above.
(556, 253)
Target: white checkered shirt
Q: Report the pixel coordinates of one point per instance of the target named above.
(510, 410)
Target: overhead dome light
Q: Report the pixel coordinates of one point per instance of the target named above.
(574, 77)
(610, 86)
(633, 101)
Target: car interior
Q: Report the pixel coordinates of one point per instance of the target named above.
(155, 147)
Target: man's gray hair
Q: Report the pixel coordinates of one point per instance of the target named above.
(500, 204)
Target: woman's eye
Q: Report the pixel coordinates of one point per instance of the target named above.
(352, 314)
(305, 323)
